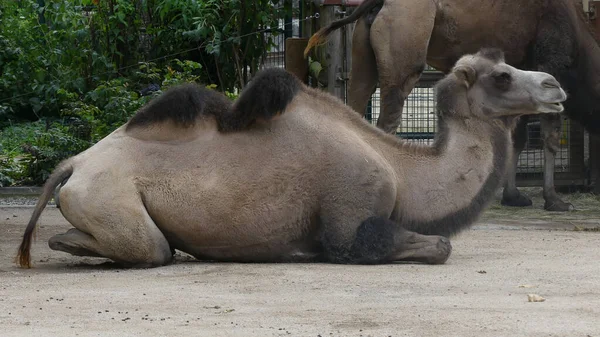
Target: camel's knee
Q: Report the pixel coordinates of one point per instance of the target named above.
(373, 243)
(141, 252)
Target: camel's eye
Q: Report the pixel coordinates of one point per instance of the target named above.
(502, 79)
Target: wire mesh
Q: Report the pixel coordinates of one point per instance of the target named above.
(531, 159)
(419, 119)
(289, 27)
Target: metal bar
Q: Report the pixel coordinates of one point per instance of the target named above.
(416, 135)
(347, 3)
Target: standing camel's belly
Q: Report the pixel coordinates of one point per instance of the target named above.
(465, 26)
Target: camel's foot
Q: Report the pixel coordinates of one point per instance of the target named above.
(74, 242)
(555, 204)
(430, 249)
(515, 199)
(78, 243)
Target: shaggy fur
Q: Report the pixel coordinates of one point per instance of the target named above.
(374, 243)
(183, 105)
(264, 98)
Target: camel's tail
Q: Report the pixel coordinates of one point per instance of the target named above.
(62, 172)
(321, 36)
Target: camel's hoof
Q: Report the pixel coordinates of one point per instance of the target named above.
(444, 248)
(518, 200)
(557, 205)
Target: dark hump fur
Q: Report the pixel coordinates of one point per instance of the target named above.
(265, 97)
(183, 105)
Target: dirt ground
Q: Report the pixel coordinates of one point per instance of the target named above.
(481, 291)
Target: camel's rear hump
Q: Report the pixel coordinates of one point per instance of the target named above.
(263, 99)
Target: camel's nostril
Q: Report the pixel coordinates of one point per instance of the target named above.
(550, 83)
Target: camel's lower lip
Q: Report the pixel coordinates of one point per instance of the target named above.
(552, 107)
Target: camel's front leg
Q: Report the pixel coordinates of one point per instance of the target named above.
(550, 128)
(379, 240)
(431, 249)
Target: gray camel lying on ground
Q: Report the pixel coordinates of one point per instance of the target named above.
(288, 173)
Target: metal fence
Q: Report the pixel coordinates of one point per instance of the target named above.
(291, 26)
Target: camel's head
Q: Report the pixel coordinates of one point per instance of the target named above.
(495, 89)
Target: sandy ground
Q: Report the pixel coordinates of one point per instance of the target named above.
(481, 291)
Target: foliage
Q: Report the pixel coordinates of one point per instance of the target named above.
(31, 150)
(228, 29)
(34, 60)
(72, 71)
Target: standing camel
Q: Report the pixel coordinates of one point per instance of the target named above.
(290, 173)
(394, 39)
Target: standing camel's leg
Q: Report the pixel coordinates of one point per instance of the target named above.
(400, 44)
(511, 195)
(551, 127)
(118, 228)
(363, 71)
(552, 54)
(594, 153)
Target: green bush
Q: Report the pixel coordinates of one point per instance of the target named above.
(31, 150)
(72, 71)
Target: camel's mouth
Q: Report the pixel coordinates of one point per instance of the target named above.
(551, 107)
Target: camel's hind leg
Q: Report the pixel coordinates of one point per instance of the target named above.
(76, 242)
(550, 125)
(116, 228)
(363, 72)
(400, 45)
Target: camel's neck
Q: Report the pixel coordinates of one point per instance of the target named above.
(589, 57)
(442, 191)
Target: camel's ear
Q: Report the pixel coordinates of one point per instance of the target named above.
(465, 74)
